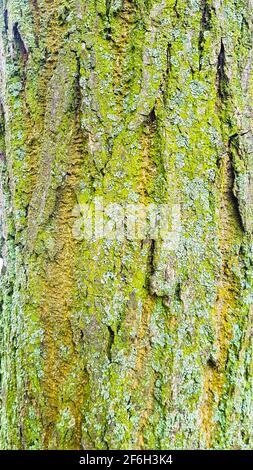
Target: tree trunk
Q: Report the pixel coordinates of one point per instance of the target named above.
(126, 342)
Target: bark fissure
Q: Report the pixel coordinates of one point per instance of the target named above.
(20, 43)
(221, 74)
(6, 21)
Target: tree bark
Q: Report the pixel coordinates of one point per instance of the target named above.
(126, 344)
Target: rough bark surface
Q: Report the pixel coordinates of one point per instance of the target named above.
(126, 344)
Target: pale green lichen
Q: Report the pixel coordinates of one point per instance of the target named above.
(126, 344)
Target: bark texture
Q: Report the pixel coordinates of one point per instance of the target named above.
(126, 344)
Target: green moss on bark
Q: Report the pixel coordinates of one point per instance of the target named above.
(126, 344)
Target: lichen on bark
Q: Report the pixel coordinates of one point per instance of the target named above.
(126, 344)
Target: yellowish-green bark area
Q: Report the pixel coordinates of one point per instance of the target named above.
(126, 344)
